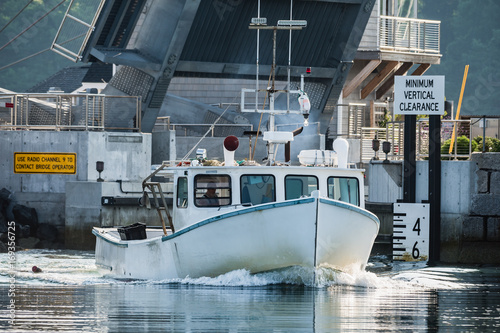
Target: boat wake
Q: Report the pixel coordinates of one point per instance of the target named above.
(320, 278)
(62, 267)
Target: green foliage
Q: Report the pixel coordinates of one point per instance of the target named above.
(491, 144)
(385, 118)
(462, 146)
(496, 146)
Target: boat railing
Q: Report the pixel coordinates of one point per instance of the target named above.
(69, 112)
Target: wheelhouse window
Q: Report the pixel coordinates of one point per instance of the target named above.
(297, 186)
(182, 192)
(257, 189)
(212, 190)
(344, 189)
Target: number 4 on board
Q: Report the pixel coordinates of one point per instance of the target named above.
(416, 227)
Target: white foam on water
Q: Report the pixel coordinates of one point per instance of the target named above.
(321, 277)
(237, 278)
(353, 278)
(62, 267)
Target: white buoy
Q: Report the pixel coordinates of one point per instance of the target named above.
(341, 146)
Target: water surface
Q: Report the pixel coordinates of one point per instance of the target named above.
(72, 295)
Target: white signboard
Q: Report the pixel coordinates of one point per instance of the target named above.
(419, 95)
(410, 241)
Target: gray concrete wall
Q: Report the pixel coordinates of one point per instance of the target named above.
(163, 146)
(481, 227)
(84, 210)
(126, 157)
(386, 184)
(44, 192)
(385, 181)
(470, 204)
(455, 202)
(455, 185)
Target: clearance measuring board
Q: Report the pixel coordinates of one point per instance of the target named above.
(61, 163)
(410, 241)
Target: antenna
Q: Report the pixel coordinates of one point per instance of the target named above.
(259, 23)
(272, 137)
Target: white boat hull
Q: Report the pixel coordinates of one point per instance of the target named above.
(309, 232)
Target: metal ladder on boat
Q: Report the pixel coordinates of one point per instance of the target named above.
(159, 199)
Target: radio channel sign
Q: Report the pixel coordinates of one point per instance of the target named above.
(60, 163)
(419, 95)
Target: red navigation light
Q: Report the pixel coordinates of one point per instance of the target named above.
(308, 70)
(231, 143)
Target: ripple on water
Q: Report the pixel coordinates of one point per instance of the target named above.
(78, 268)
(72, 295)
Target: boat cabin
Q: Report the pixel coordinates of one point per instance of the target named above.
(206, 191)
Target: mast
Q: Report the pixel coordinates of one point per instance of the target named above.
(272, 137)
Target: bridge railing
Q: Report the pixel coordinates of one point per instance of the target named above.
(409, 35)
(394, 133)
(81, 112)
(402, 35)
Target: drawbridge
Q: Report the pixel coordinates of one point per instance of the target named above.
(156, 41)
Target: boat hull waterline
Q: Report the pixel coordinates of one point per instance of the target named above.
(310, 232)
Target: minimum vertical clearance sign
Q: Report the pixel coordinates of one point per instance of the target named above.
(419, 95)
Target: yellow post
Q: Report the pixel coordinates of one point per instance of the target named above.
(458, 108)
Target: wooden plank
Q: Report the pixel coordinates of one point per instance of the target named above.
(391, 65)
(405, 67)
(360, 77)
(421, 69)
